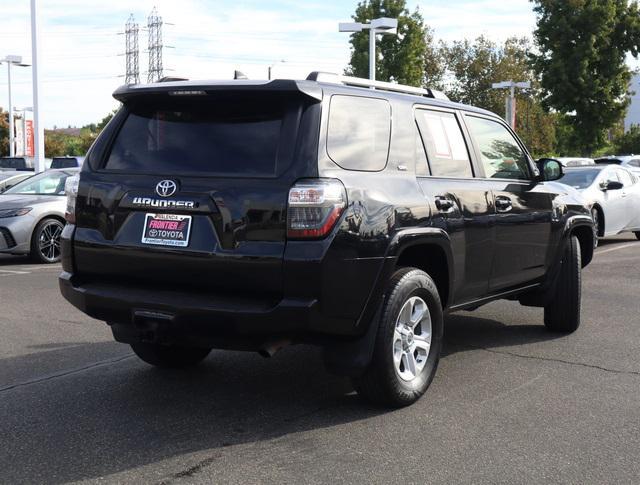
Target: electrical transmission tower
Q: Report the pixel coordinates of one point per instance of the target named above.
(154, 24)
(132, 75)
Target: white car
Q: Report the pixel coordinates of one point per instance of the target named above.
(612, 192)
(631, 162)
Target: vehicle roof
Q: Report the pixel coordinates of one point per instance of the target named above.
(313, 89)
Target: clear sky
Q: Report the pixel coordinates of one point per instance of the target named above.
(208, 39)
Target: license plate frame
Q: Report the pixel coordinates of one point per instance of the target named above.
(168, 230)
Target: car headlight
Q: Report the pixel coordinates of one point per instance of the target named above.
(15, 212)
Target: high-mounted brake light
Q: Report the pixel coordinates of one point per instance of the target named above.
(315, 205)
(71, 191)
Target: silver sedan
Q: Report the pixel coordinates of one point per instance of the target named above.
(613, 194)
(32, 216)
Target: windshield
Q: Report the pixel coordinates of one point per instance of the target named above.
(579, 179)
(48, 183)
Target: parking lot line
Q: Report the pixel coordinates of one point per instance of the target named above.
(12, 272)
(617, 248)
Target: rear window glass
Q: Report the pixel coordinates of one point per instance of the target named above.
(359, 132)
(236, 135)
(64, 163)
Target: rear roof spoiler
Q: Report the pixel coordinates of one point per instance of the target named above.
(202, 88)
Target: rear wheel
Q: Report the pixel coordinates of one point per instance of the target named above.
(45, 242)
(562, 314)
(637, 233)
(169, 356)
(408, 342)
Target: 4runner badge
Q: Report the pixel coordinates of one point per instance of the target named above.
(166, 188)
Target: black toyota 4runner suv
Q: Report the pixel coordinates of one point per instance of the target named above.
(251, 215)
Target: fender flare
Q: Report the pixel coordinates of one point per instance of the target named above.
(352, 357)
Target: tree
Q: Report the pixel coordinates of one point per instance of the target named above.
(582, 48)
(4, 133)
(629, 142)
(473, 66)
(401, 58)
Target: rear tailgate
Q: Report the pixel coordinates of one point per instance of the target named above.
(192, 192)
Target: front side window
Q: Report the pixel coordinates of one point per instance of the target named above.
(625, 178)
(446, 148)
(501, 155)
(359, 132)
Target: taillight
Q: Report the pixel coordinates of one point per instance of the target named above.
(315, 205)
(71, 191)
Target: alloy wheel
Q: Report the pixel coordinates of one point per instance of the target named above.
(49, 241)
(412, 338)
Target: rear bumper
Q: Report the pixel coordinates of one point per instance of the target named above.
(137, 314)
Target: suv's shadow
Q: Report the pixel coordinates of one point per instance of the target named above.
(11, 260)
(125, 415)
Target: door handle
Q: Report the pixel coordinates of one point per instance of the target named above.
(444, 203)
(503, 204)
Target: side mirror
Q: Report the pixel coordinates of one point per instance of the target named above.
(550, 169)
(611, 185)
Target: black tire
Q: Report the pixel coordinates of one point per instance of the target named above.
(637, 233)
(562, 314)
(170, 356)
(595, 215)
(381, 383)
(45, 241)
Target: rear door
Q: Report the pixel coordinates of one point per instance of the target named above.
(191, 192)
(524, 208)
(460, 203)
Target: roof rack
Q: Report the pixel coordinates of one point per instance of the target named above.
(329, 77)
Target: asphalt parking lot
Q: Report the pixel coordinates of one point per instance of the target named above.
(511, 403)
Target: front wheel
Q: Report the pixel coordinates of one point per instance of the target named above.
(562, 314)
(408, 342)
(45, 242)
(169, 356)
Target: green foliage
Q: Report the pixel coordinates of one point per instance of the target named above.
(4, 133)
(629, 142)
(582, 49)
(474, 66)
(406, 58)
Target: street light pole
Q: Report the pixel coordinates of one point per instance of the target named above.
(9, 60)
(383, 25)
(39, 127)
(510, 104)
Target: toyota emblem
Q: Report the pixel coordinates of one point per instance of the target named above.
(166, 188)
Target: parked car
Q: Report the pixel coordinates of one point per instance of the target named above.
(575, 161)
(32, 216)
(10, 178)
(613, 193)
(16, 163)
(631, 162)
(66, 162)
(250, 215)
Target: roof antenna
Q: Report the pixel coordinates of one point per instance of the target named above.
(239, 75)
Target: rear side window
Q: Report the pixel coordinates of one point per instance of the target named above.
(359, 132)
(238, 136)
(446, 149)
(64, 163)
(501, 155)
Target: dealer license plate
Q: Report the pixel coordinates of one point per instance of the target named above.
(166, 230)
